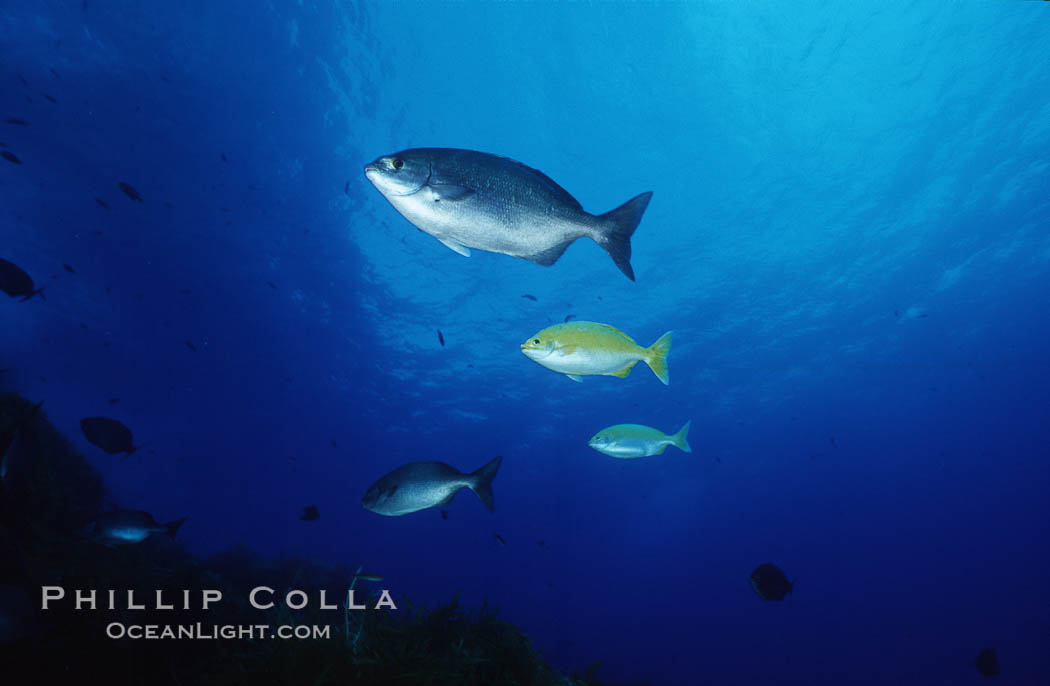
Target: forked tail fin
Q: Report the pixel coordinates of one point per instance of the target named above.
(617, 228)
(482, 482)
(680, 438)
(657, 359)
(174, 526)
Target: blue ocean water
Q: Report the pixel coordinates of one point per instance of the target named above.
(848, 236)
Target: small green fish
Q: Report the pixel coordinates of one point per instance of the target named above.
(634, 440)
(577, 349)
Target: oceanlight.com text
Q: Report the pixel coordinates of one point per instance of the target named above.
(199, 631)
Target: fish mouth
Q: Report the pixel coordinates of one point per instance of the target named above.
(533, 352)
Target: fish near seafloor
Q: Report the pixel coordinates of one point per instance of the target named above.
(635, 440)
(468, 199)
(770, 582)
(16, 283)
(579, 349)
(108, 434)
(130, 526)
(420, 485)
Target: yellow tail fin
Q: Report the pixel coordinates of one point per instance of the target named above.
(657, 359)
(680, 438)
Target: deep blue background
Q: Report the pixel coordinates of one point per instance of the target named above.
(848, 235)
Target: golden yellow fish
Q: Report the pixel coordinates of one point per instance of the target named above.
(578, 349)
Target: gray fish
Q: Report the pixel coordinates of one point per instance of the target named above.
(419, 485)
(129, 191)
(469, 199)
(987, 662)
(130, 526)
(16, 283)
(108, 434)
(770, 582)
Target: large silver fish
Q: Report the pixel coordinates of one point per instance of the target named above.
(469, 199)
(419, 485)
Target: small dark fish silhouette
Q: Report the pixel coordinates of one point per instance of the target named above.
(169, 205)
(23, 80)
(53, 72)
(271, 284)
(499, 538)
(441, 338)
(17, 122)
(224, 157)
(529, 296)
(987, 662)
(444, 514)
(186, 291)
(334, 444)
(16, 283)
(114, 401)
(127, 190)
(541, 543)
(108, 434)
(569, 317)
(770, 582)
(3, 144)
(3, 371)
(50, 99)
(310, 514)
(101, 203)
(191, 346)
(832, 440)
(10, 157)
(346, 188)
(923, 315)
(69, 269)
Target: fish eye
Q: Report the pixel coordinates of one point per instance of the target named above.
(397, 163)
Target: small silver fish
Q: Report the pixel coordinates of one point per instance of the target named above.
(130, 526)
(420, 485)
(468, 199)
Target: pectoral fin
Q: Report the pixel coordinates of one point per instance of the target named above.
(445, 192)
(458, 247)
(574, 377)
(625, 371)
